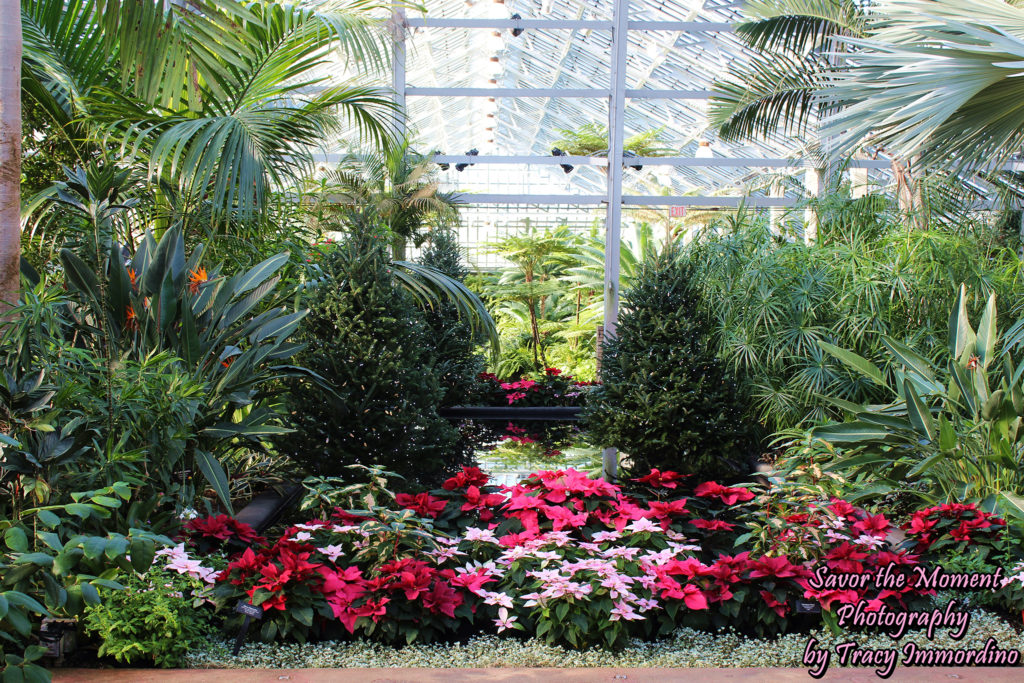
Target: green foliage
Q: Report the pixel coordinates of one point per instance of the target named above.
(772, 301)
(591, 139)
(400, 188)
(211, 98)
(777, 90)
(225, 335)
(665, 399)
(956, 430)
(457, 361)
(50, 568)
(154, 620)
(537, 312)
(367, 338)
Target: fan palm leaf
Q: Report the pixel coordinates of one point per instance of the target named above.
(775, 90)
(936, 81)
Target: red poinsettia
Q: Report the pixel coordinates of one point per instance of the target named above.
(727, 494)
(661, 480)
(423, 504)
(469, 476)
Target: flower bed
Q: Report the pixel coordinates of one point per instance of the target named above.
(577, 561)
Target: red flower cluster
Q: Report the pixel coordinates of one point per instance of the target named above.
(963, 522)
(423, 504)
(469, 476)
(211, 532)
(727, 494)
(661, 480)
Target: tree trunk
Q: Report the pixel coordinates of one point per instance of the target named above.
(10, 154)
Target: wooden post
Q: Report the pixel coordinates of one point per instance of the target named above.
(10, 155)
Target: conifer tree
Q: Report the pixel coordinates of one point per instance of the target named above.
(666, 401)
(457, 359)
(368, 340)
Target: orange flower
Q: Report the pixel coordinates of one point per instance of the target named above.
(133, 277)
(131, 320)
(228, 361)
(196, 278)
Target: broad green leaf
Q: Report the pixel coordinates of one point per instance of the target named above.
(16, 540)
(1013, 504)
(48, 518)
(960, 332)
(919, 414)
(914, 362)
(215, 475)
(259, 273)
(987, 333)
(858, 363)
(850, 432)
(925, 465)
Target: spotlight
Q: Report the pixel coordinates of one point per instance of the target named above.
(516, 32)
(471, 153)
(555, 152)
(444, 166)
(627, 154)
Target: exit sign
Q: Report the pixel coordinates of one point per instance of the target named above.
(677, 211)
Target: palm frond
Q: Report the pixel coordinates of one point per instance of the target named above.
(935, 82)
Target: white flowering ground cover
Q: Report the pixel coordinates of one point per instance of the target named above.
(686, 648)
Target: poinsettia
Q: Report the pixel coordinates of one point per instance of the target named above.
(727, 494)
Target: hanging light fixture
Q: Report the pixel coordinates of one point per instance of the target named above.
(444, 166)
(566, 168)
(471, 153)
(516, 32)
(704, 150)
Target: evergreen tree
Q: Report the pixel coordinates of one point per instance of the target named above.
(455, 349)
(666, 401)
(367, 338)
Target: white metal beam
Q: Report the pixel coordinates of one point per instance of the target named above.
(613, 218)
(506, 92)
(555, 24)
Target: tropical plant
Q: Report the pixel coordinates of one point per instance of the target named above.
(665, 399)
(527, 289)
(591, 139)
(931, 82)
(946, 436)
(50, 568)
(216, 99)
(399, 187)
(221, 327)
(776, 90)
(772, 300)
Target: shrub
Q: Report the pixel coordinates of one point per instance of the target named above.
(50, 568)
(154, 620)
(367, 339)
(665, 399)
(457, 362)
(771, 302)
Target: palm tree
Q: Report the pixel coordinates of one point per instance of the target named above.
(400, 187)
(537, 257)
(217, 99)
(776, 89)
(938, 81)
(10, 156)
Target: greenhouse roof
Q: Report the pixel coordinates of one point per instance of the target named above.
(685, 55)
